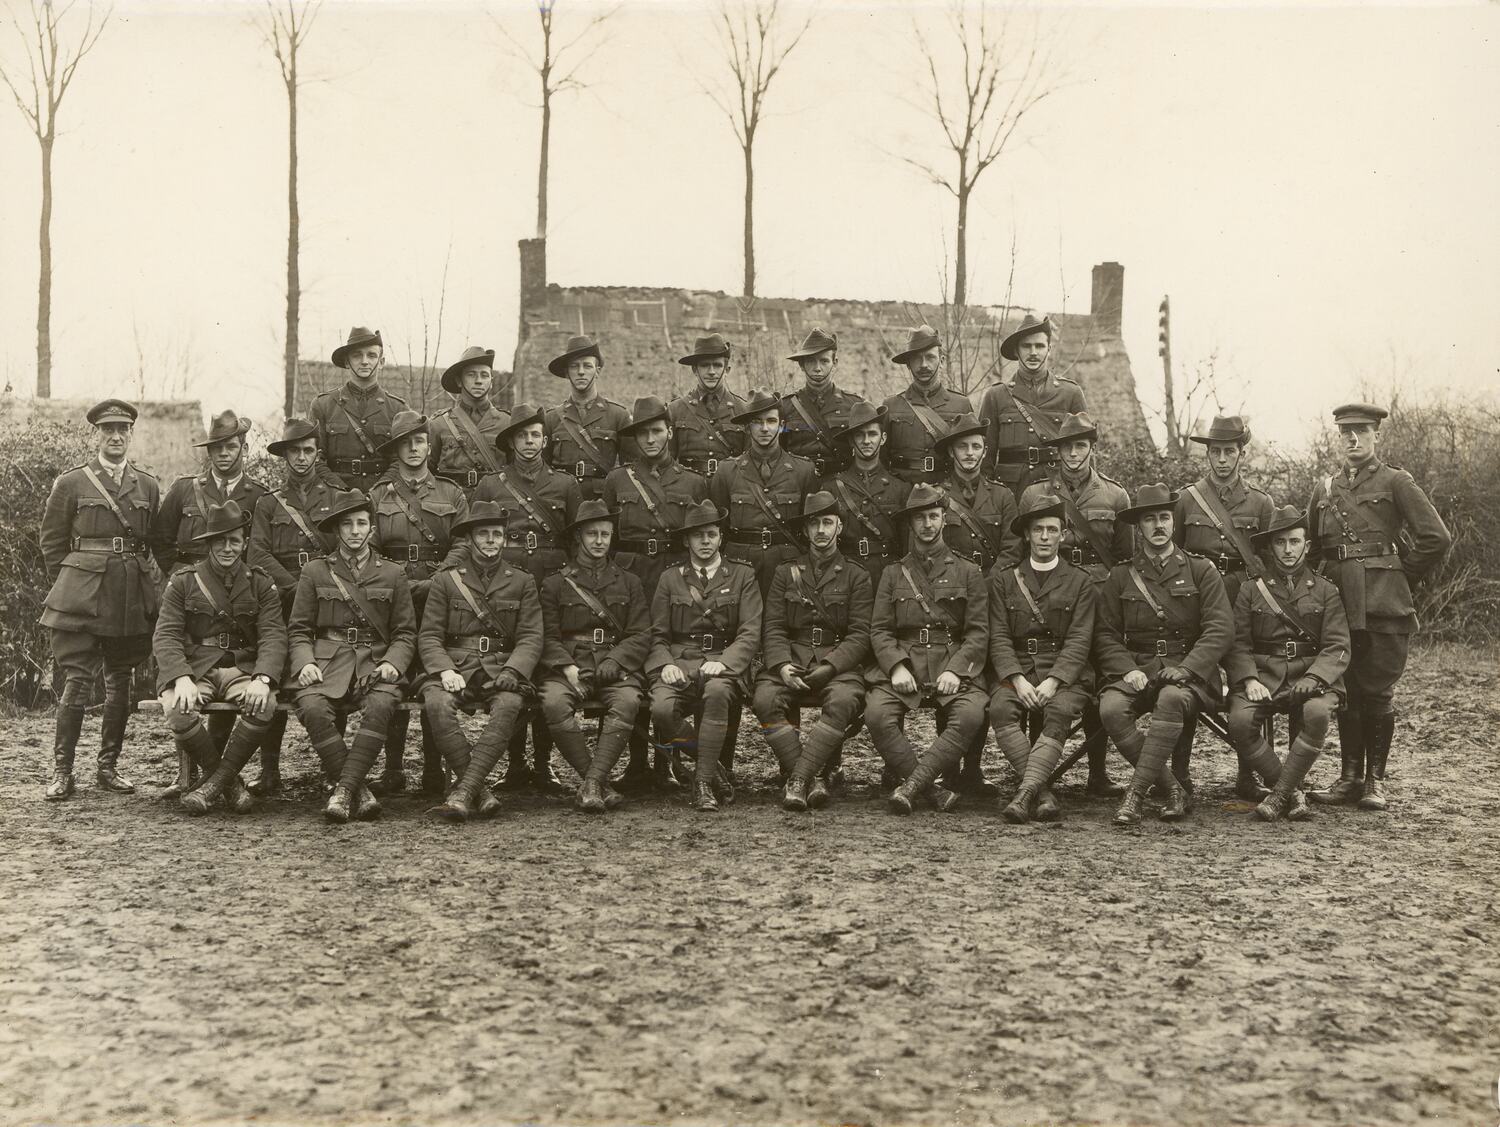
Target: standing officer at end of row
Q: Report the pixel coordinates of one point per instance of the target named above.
(100, 608)
(1378, 536)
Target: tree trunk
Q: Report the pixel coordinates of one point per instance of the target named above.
(1169, 400)
(44, 281)
(541, 176)
(749, 218)
(293, 278)
(961, 252)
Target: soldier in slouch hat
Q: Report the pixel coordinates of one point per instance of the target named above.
(919, 416)
(354, 418)
(703, 434)
(462, 438)
(583, 431)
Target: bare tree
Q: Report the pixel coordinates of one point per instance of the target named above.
(754, 46)
(557, 77)
(286, 26)
(1007, 72)
(50, 65)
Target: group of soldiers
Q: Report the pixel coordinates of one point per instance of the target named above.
(664, 566)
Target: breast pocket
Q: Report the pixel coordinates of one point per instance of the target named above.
(331, 608)
(909, 610)
(684, 616)
(1135, 613)
(507, 612)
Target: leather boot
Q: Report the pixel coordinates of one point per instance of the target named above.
(1351, 762)
(542, 775)
(117, 707)
(943, 800)
(1247, 786)
(1096, 748)
(1129, 813)
(591, 797)
(613, 799)
(1177, 800)
(1047, 808)
(366, 807)
(663, 776)
(704, 801)
(1299, 760)
(573, 745)
(223, 777)
(269, 782)
(822, 744)
(1040, 764)
(1019, 810)
(393, 777)
(434, 778)
(1379, 730)
(187, 777)
(786, 745)
(1299, 810)
(517, 774)
(818, 791)
(64, 745)
(340, 804)
(465, 795)
(904, 798)
(638, 776)
(611, 745)
(795, 798)
(487, 805)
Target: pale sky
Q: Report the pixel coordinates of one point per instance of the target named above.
(1314, 187)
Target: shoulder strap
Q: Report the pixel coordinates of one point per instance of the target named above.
(413, 516)
(1281, 612)
(931, 421)
(766, 507)
(713, 426)
(359, 431)
(922, 593)
(847, 494)
(1038, 423)
(1036, 611)
(600, 610)
(481, 610)
(708, 612)
(108, 498)
(1083, 526)
(971, 522)
(810, 595)
(202, 499)
(524, 497)
(581, 436)
(356, 600)
(471, 439)
(814, 419)
(1151, 600)
(297, 518)
(222, 605)
(1214, 509)
(647, 498)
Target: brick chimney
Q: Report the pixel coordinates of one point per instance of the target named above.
(1109, 294)
(533, 279)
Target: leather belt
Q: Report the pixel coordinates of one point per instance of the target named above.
(816, 636)
(579, 469)
(287, 558)
(651, 546)
(119, 545)
(1287, 649)
(1038, 645)
(464, 479)
(598, 636)
(527, 540)
(414, 553)
(760, 537)
(1361, 551)
(710, 465)
(927, 463)
(1156, 647)
(708, 643)
(1227, 563)
(922, 636)
(484, 643)
(864, 548)
(350, 635)
(1026, 456)
(224, 640)
(1082, 555)
(356, 465)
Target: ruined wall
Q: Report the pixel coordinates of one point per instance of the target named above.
(164, 433)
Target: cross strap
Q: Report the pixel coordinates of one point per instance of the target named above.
(218, 598)
(847, 494)
(413, 516)
(1162, 617)
(1291, 620)
(524, 497)
(601, 611)
(811, 595)
(813, 418)
(202, 499)
(1214, 509)
(923, 593)
(470, 438)
(1330, 483)
(1031, 604)
(298, 519)
(88, 472)
(580, 435)
(358, 603)
(481, 610)
(1038, 423)
(1082, 525)
(359, 431)
(646, 497)
(768, 508)
(971, 520)
(931, 421)
(708, 612)
(713, 426)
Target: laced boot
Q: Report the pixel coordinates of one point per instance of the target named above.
(795, 796)
(517, 774)
(613, 799)
(1039, 767)
(1129, 813)
(943, 800)
(573, 745)
(904, 798)
(705, 801)
(269, 782)
(1019, 811)
(340, 803)
(117, 707)
(187, 776)
(613, 739)
(487, 806)
(1351, 763)
(393, 776)
(971, 773)
(822, 745)
(786, 745)
(1379, 730)
(1299, 810)
(1247, 786)
(221, 772)
(64, 745)
(819, 789)
(591, 797)
(1177, 801)
(664, 775)
(357, 799)
(1287, 795)
(1047, 808)
(465, 795)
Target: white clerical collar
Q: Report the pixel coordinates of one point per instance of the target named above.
(1036, 565)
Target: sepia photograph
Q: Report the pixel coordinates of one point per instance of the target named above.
(791, 563)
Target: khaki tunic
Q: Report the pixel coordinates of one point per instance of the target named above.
(453, 637)
(278, 546)
(456, 455)
(195, 633)
(910, 448)
(992, 507)
(600, 421)
(181, 518)
(647, 543)
(728, 630)
(873, 535)
(1261, 639)
(903, 631)
(420, 548)
(1015, 454)
(538, 543)
(575, 635)
(344, 452)
(702, 435)
(1099, 498)
(808, 423)
(322, 623)
(753, 537)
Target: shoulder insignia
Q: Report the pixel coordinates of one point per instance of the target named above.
(140, 472)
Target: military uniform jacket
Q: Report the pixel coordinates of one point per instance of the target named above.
(989, 506)
(96, 589)
(751, 528)
(1268, 649)
(692, 624)
(419, 547)
(1015, 453)
(808, 423)
(702, 435)
(553, 499)
(1098, 499)
(454, 637)
(910, 449)
(1021, 644)
(181, 516)
(826, 618)
(576, 635)
(1356, 521)
(673, 489)
(278, 546)
(340, 414)
(953, 638)
(1250, 509)
(327, 631)
(240, 625)
(872, 535)
(568, 426)
(456, 454)
(1196, 635)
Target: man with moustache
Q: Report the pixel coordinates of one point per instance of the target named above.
(703, 434)
(1378, 536)
(463, 437)
(1041, 632)
(1093, 540)
(415, 511)
(919, 416)
(541, 503)
(584, 431)
(352, 635)
(220, 636)
(929, 637)
(284, 535)
(1291, 647)
(818, 410)
(706, 615)
(815, 643)
(1024, 411)
(598, 635)
(480, 641)
(1163, 627)
(652, 493)
(355, 418)
(100, 607)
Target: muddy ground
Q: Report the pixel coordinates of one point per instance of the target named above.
(658, 966)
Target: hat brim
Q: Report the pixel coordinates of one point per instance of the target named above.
(636, 424)
(956, 435)
(341, 353)
(1264, 536)
(1136, 511)
(241, 429)
(700, 357)
(808, 354)
(1009, 345)
(279, 448)
(905, 355)
(717, 522)
(559, 366)
(940, 503)
(826, 510)
(205, 537)
(848, 432)
(1020, 524)
(751, 412)
(452, 373)
(613, 516)
(337, 515)
(1092, 434)
(388, 447)
(502, 436)
(1240, 439)
(468, 524)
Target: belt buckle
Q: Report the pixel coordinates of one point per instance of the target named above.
(1033, 455)
(302, 558)
(1291, 650)
(1161, 647)
(863, 546)
(1076, 554)
(924, 636)
(412, 553)
(929, 463)
(578, 470)
(472, 477)
(713, 466)
(817, 635)
(598, 635)
(765, 538)
(531, 541)
(1341, 551)
(484, 643)
(652, 547)
(818, 465)
(117, 544)
(351, 635)
(1222, 563)
(1031, 647)
(708, 643)
(222, 638)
